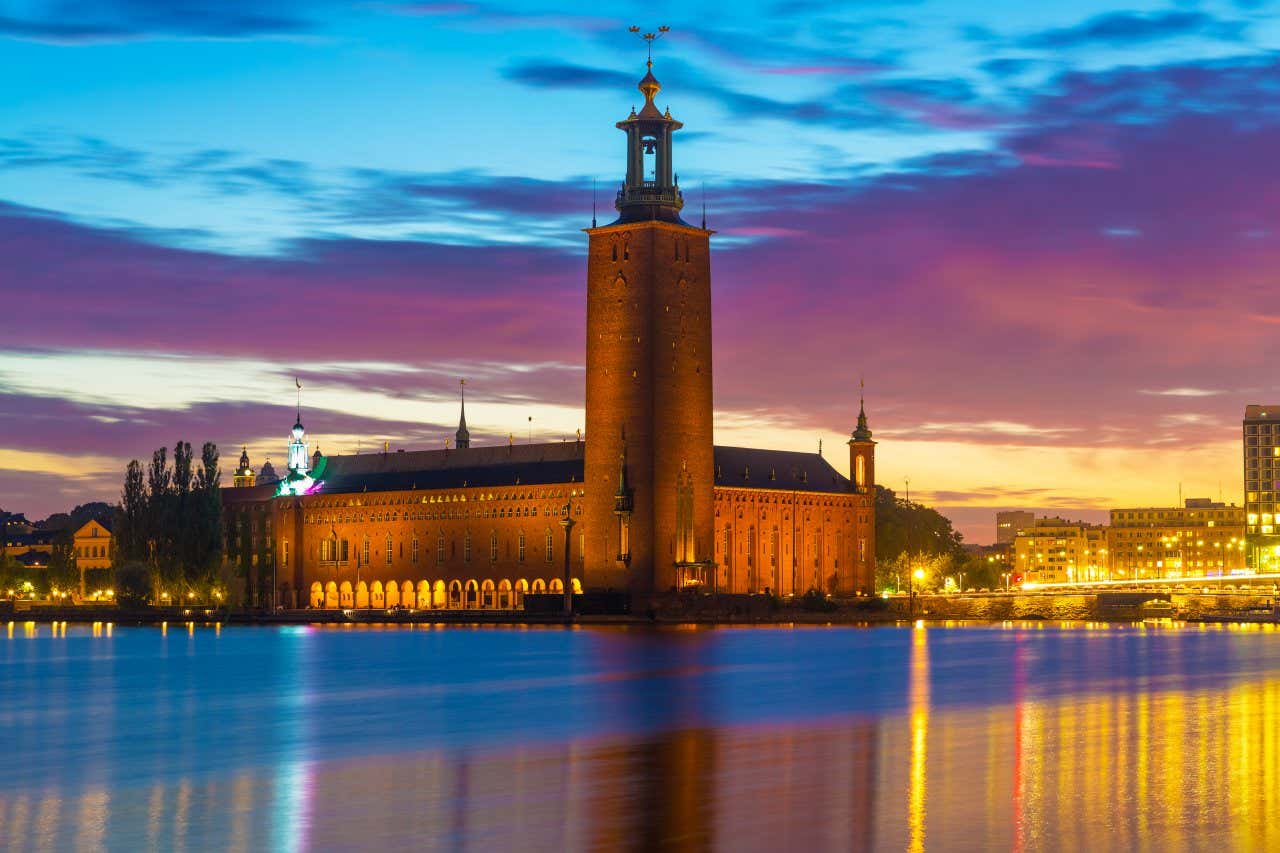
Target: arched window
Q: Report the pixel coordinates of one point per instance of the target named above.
(549, 544)
(860, 470)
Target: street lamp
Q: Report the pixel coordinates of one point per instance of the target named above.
(567, 524)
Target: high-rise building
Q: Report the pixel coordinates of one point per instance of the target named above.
(1262, 486)
(1008, 524)
(1202, 538)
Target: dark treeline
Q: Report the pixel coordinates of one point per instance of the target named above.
(170, 526)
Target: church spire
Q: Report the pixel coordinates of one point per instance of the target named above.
(862, 432)
(462, 438)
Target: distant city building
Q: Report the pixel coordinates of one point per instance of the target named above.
(33, 542)
(1261, 486)
(93, 542)
(1054, 550)
(1202, 538)
(15, 522)
(244, 476)
(267, 474)
(1008, 524)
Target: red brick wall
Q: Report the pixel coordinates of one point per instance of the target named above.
(649, 376)
(817, 541)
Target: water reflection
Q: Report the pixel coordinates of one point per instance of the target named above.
(1026, 737)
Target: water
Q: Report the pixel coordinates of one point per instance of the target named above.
(1014, 737)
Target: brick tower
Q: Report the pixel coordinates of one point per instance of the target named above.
(649, 473)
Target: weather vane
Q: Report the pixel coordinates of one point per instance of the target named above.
(649, 39)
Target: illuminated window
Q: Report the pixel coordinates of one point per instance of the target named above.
(389, 550)
(364, 552)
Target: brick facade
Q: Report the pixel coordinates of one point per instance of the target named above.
(656, 505)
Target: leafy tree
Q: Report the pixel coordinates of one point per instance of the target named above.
(131, 528)
(63, 572)
(903, 525)
(133, 583)
(207, 512)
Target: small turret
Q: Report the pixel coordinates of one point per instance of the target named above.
(244, 475)
(862, 450)
(462, 438)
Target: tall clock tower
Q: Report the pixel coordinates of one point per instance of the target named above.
(649, 474)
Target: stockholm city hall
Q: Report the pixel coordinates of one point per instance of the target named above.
(656, 505)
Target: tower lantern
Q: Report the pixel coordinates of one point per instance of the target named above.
(650, 190)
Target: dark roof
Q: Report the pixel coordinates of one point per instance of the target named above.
(33, 558)
(248, 494)
(786, 470)
(540, 464)
(470, 467)
(39, 537)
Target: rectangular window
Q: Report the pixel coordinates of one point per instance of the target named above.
(284, 554)
(520, 547)
(549, 546)
(390, 555)
(364, 553)
(440, 548)
(413, 550)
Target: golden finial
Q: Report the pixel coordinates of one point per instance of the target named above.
(649, 39)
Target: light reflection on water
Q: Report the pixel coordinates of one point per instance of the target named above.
(1022, 736)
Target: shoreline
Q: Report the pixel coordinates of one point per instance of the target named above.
(89, 615)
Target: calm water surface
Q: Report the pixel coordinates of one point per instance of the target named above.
(1014, 737)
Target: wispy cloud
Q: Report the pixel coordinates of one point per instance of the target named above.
(1124, 28)
(1182, 392)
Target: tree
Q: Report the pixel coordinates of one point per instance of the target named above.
(63, 573)
(171, 520)
(133, 583)
(911, 536)
(131, 518)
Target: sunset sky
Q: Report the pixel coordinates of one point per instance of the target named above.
(1045, 234)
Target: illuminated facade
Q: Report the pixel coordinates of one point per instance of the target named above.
(1261, 445)
(93, 544)
(1054, 550)
(1200, 539)
(656, 505)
